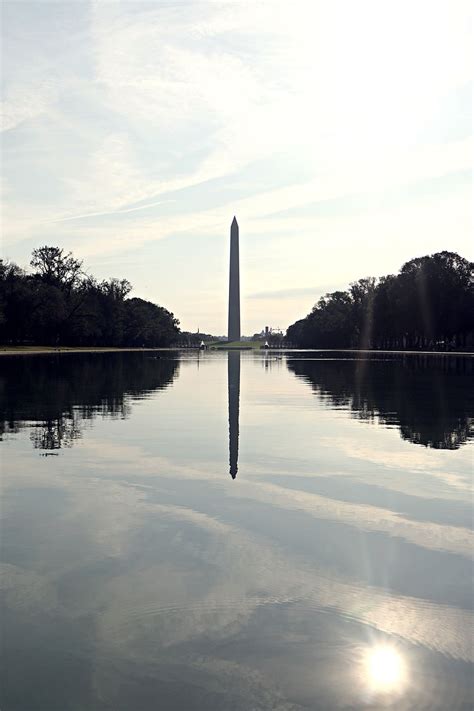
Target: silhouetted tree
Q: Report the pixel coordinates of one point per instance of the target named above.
(363, 295)
(429, 304)
(57, 268)
(59, 304)
(147, 324)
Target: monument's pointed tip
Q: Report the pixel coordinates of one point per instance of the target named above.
(234, 221)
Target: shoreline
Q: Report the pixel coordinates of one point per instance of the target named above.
(47, 350)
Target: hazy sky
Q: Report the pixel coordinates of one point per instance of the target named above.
(338, 132)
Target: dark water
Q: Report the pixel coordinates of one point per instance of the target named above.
(255, 531)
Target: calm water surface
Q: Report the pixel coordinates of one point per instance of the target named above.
(246, 531)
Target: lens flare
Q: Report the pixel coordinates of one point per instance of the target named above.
(385, 669)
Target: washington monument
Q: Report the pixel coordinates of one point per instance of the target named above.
(233, 331)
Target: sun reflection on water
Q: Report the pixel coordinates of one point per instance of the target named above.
(385, 670)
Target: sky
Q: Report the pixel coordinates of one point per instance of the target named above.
(338, 132)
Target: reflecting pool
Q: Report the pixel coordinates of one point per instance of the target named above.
(246, 531)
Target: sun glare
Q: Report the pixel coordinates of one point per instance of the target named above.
(385, 669)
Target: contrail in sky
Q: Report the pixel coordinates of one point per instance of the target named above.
(110, 212)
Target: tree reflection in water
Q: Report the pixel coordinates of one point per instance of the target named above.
(428, 397)
(57, 395)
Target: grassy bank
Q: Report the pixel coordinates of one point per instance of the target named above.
(38, 350)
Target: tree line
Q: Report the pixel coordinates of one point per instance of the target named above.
(59, 304)
(429, 305)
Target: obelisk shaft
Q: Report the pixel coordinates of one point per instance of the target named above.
(233, 332)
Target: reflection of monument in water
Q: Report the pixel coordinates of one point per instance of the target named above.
(233, 380)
